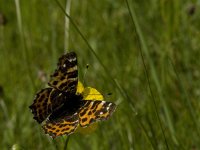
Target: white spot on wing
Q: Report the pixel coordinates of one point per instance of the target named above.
(107, 108)
(72, 59)
(75, 68)
(92, 103)
(103, 102)
(73, 79)
(109, 104)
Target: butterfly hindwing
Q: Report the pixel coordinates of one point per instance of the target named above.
(93, 111)
(90, 112)
(64, 125)
(65, 77)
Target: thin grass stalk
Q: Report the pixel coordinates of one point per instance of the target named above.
(140, 124)
(143, 47)
(146, 134)
(66, 36)
(186, 99)
(4, 110)
(23, 43)
(19, 18)
(66, 142)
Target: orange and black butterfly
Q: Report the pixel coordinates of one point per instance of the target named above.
(62, 107)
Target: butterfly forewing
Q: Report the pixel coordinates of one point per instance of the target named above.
(45, 102)
(65, 77)
(93, 111)
(41, 106)
(57, 99)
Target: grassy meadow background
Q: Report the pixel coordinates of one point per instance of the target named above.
(146, 53)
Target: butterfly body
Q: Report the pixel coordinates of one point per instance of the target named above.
(71, 105)
(60, 108)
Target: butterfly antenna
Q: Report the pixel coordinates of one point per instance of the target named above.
(87, 66)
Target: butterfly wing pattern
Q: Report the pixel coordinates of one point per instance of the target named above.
(65, 77)
(41, 105)
(65, 125)
(60, 108)
(95, 111)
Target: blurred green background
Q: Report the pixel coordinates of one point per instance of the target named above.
(158, 95)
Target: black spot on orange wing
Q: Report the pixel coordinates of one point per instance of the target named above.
(64, 126)
(84, 120)
(95, 111)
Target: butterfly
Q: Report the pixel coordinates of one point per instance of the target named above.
(62, 107)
